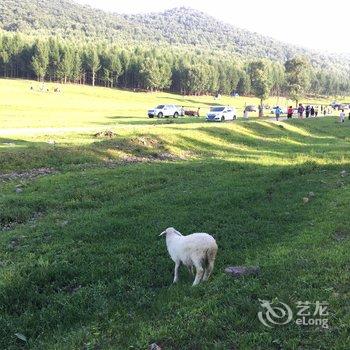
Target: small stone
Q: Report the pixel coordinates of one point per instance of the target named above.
(154, 346)
(311, 194)
(238, 271)
(63, 223)
(343, 173)
(306, 200)
(18, 190)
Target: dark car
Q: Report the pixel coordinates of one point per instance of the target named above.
(251, 108)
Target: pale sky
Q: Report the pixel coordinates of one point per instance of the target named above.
(317, 24)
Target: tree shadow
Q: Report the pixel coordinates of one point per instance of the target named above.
(194, 103)
(112, 263)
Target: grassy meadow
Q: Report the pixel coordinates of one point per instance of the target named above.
(81, 263)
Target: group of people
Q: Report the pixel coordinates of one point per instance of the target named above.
(43, 88)
(308, 111)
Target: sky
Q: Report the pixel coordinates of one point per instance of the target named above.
(321, 25)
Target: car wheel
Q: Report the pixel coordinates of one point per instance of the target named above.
(234, 117)
(150, 116)
(176, 115)
(222, 118)
(160, 115)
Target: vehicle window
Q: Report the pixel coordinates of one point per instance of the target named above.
(160, 107)
(217, 109)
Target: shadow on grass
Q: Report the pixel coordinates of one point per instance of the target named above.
(278, 142)
(194, 103)
(95, 260)
(92, 269)
(158, 121)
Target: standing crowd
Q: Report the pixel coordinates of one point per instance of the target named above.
(308, 111)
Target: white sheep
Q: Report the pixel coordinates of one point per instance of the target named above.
(196, 250)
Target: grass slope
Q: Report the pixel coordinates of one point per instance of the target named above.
(81, 266)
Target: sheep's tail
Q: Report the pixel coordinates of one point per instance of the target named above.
(210, 255)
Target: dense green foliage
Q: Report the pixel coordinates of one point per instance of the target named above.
(81, 263)
(297, 77)
(162, 68)
(182, 50)
(261, 82)
(180, 26)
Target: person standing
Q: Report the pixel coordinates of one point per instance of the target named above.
(312, 111)
(278, 112)
(316, 111)
(307, 111)
(290, 112)
(245, 114)
(342, 116)
(301, 111)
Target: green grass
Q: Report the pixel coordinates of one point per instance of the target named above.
(81, 263)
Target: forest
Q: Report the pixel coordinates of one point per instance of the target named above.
(180, 50)
(154, 68)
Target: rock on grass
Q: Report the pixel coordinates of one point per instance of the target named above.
(238, 271)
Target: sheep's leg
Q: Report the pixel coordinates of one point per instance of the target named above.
(208, 270)
(176, 271)
(191, 269)
(199, 275)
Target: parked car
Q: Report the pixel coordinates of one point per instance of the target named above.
(221, 113)
(343, 106)
(165, 111)
(251, 108)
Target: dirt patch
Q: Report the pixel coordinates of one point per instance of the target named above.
(107, 133)
(27, 175)
(341, 234)
(12, 225)
(70, 288)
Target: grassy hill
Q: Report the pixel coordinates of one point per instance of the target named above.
(176, 27)
(81, 263)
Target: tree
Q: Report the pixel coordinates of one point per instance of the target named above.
(54, 57)
(244, 86)
(40, 60)
(66, 64)
(154, 74)
(115, 68)
(4, 53)
(77, 67)
(297, 77)
(93, 63)
(261, 84)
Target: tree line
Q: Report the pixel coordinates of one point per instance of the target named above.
(183, 71)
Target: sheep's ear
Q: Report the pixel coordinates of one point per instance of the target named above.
(178, 233)
(163, 233)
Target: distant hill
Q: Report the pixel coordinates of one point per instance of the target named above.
(179, 26)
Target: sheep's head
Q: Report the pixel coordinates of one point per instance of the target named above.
(170, 230)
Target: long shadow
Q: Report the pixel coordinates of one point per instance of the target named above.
(107, 260)
(154, 121)
(94, 258)
(195, 103)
